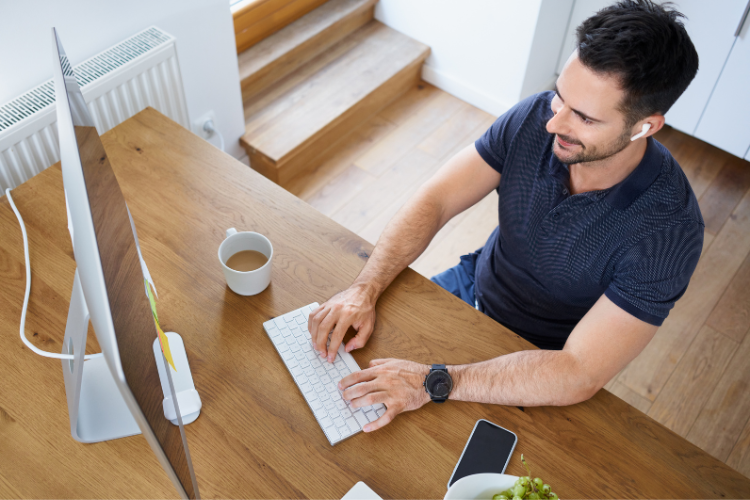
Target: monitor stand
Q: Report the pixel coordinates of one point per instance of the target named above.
(96, 407)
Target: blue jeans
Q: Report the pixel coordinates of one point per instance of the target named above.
(459, 280)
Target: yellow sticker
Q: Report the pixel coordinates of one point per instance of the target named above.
(163, 340)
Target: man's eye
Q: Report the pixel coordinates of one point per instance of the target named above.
(586, 121)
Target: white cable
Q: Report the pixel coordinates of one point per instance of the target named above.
(28, 291)
(209, 127)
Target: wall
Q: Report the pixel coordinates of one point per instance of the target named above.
(205, 47)
(482, 49)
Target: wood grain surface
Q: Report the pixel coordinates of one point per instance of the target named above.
(256, 437)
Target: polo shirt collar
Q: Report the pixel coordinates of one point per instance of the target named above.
(621, 195)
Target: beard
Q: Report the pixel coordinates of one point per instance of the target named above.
(590, 153)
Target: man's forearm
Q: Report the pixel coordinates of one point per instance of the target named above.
(524, 378)
(405, 237)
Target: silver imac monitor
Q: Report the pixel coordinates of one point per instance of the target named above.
(118, 394)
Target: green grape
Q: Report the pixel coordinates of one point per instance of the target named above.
(499, 496)
(519, 490)
(538, 483)
(552, 496)
(508, 493)
(516, 497)
(546, 489)
(533, 496)
(524, 481)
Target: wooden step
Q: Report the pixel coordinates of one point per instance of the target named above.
(319, 104)
(283, 52)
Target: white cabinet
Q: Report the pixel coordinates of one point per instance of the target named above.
(726, 120)
(711, 26)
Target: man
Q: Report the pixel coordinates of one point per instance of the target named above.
(599, 230)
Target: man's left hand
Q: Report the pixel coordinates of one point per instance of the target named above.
(394, 382)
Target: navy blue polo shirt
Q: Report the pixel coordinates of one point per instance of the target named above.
(554, 254)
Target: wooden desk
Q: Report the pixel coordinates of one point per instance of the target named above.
(256, 436)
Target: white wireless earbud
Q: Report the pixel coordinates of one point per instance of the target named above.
(646, 127)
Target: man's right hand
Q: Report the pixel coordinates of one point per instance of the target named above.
(353, 307)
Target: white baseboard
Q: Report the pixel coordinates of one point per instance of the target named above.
(463, 91)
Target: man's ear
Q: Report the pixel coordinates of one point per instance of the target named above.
(647, 127)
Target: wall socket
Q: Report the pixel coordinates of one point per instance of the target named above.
(198, 125)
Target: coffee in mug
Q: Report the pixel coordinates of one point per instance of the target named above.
(246, 260)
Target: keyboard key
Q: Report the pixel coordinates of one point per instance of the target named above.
(303, 362)
(378, 406)
(371, 416)
(295, 347)
(339, 422)
(301, 319)
(340, 405)
(296, 371)
(332, 388)
(345, 432)
(309, 371)
(321, 413)
(336, 396)
(316, 404)
(300, 356)
(345, 412)
(319, 370)
(283, 347)
(292, 362)
(352, 424)
(380, 412)
(326, 422)
(334, 413)
(360, 417)
(329, 405)
(301, 379)
(289, 317)
(333, 434)
(324, 396)
(319, 388)
(287, 355)
(325, 379)
(279, 322)
(310, 355)
(316, 362)
(340, 364)
(286, 332)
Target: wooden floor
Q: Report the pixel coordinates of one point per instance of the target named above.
(694, 377)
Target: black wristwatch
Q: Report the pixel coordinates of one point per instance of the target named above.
(438, 383)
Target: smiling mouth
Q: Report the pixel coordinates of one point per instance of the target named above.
(564, 144)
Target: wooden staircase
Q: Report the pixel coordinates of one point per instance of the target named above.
(306, 87)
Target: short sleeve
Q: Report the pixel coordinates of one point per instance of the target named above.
(655, 272)
(493, 145)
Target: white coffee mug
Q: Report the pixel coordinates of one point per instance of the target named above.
(249, 282)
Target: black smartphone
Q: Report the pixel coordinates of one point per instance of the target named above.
(488, 450)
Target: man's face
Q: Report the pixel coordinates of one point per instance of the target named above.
(587, 124)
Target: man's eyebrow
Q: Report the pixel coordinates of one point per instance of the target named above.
(579, 113)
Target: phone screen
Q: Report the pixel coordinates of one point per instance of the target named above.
(488, 450)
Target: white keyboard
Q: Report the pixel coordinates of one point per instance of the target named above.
(316, 378)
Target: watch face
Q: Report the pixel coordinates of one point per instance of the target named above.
(439, 384)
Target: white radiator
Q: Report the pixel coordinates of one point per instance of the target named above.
(117, 83)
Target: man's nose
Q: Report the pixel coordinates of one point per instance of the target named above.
(556, 124)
